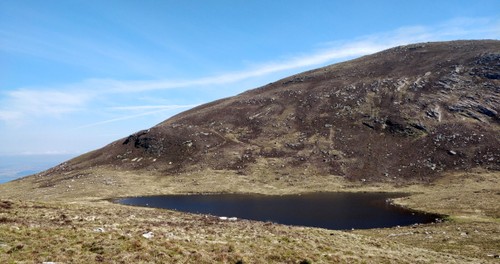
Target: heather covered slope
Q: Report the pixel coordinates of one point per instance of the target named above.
(405, 114)
(421, 119)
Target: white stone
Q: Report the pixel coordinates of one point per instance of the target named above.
(99, 230)
(148, 235)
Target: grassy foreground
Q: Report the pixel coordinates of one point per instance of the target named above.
(39, 226)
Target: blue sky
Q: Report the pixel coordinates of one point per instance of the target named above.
(76, 75)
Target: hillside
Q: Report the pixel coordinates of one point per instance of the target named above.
(410, 113)
(421, 119)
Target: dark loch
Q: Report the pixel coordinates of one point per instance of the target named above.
(325, 210)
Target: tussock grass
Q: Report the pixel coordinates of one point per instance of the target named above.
(80, 226)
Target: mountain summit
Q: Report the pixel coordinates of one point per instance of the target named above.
(410, 113)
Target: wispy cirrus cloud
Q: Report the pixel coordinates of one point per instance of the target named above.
(64, 99)
(127, 117)
(48, 102)
(7, 115)
(150, 107)
(96, 52)
(24, 103)
(463, 28)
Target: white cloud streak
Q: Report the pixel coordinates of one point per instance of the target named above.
(23, 104)
(149, 107)
(6, 115)
(48, 102)
(335, 51)
(32, 102)
(127, 117)
(159, 109)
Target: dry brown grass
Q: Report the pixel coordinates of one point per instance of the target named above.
(65, 227)
(110, 233)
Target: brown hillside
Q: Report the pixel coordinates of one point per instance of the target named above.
(409, 113)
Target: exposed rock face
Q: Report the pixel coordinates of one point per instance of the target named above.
(407, 113)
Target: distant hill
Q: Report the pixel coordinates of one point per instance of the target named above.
(410, 113)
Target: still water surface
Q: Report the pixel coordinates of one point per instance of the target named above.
(325, 210)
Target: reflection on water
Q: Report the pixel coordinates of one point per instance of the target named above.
(325, 210)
